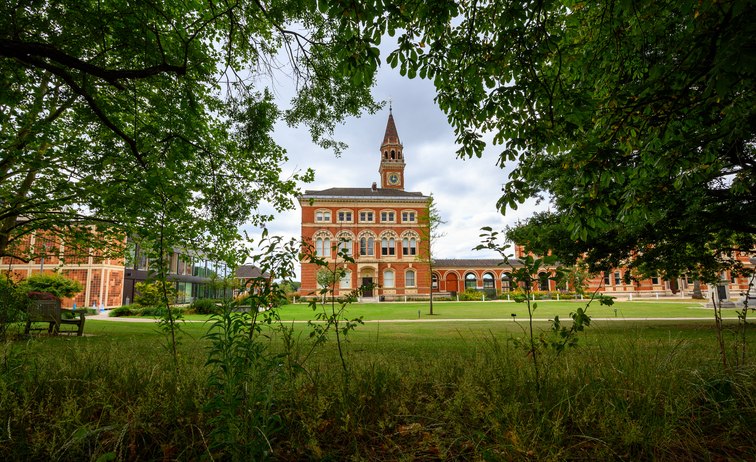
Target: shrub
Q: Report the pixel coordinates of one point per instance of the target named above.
(121, 311)
(151, 294)
(13, 303)
(204, 306)
(159, 311)
(470, 295)
(56, 284)
(34, 295)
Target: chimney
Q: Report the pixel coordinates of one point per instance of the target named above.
(375, 186)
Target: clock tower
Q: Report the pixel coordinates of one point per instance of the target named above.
(392, 158)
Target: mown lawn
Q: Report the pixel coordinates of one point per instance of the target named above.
(546, 309)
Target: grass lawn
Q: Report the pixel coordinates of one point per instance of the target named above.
(503, 310)
(633, 390)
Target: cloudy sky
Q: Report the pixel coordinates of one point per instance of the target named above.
(465, 191)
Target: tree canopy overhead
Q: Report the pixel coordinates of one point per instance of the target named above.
(128, 114)
(635, 118)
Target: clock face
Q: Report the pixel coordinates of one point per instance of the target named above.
(393, 178)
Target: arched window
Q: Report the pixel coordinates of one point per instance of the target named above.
(471, 281)
(388, 278)
(410, 246)
(409, 279)
(388, 246)
(366, 246)
(346, 280)
(323, 247)
(488, 281)
(393, 154)
(435, 282)
(345, 246)
(385, 154)
(543, 282)
(506, 282)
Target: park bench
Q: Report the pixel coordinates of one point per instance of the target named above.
(50, 312)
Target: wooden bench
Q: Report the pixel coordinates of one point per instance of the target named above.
(50, 312)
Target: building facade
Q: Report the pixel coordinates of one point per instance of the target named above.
(380, 229)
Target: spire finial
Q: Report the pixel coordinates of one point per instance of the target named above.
(390, 101)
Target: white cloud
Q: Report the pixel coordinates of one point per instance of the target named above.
(466, 191)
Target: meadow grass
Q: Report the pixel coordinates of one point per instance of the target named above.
(632, 390)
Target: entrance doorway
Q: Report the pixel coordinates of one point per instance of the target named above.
(367, 282)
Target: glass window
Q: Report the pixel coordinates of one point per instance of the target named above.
(405, 246)
(488, 281)
(388, 279)
(506, 282)
(345, 246)
(387, 216)
(607, 279)
(471, 281)
(617, 278)
(435, 282)
(655, 280)
(543, 282)
(384, 246)
(345, 216)
(409, 279)
(346, 280)
(391, 244)
(323, 247)
(366, 216)
(408, 216)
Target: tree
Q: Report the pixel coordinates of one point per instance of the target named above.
(635, 119)
(430, 222)
(125, 117)
(56, 284)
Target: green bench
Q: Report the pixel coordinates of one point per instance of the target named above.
(50, 312)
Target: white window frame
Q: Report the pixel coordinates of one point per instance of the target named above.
(346, 281)
(392, 281)
(414, 278)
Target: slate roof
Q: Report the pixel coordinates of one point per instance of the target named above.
(472, 262)
(250, 271)
(364, 192)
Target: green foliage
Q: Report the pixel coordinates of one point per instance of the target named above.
(471, 295)
(54, 283)
(122, 311)
(13, 304)
(151, 293)
(204, 306)
(68, 84)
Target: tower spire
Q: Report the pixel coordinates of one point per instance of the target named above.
(392, 158)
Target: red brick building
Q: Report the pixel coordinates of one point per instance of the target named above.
(382, 230)
(381, 225)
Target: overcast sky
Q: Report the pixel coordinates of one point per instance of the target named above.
(465, 191)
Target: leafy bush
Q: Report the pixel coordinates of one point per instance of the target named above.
(204, 306)
(56, 284)
(41, 296)
(471, 295)
(13, 303)
(151, 294)
(158, 311)
(121, 311)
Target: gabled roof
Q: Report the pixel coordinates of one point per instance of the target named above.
(363, 192)
(250, 271)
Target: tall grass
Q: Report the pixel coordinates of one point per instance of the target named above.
(632, 394)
